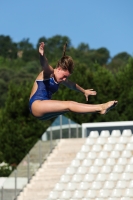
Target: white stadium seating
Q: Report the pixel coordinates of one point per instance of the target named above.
(102, 169)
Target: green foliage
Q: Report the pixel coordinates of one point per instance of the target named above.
(3, 89)
(17, 136)
(8, 49)
(32, 67)
(125, 91)
(83, 47)
(118, 62)
(24, 45)
(102, 56)
(5, 169)
(19, 66)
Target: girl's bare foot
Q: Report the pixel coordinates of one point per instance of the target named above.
(107, 106)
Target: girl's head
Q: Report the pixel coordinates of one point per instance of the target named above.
(64, 67)
(66, 63)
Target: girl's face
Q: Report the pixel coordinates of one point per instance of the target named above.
(60, 74)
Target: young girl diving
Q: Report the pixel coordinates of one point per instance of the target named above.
(41, 104)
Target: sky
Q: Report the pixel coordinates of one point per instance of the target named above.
(98, 23)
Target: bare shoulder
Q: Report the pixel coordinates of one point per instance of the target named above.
(51, 68)
(45, 75)
(40, 76)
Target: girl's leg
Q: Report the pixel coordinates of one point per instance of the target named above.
(39, 108)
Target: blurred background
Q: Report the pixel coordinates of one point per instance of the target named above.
(99, 36)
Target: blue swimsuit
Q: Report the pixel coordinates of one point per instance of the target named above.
(44, 91)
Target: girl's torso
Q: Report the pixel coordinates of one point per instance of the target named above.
(34, 88)
(43, 89)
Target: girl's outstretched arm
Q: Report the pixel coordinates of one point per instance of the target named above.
(47, 69)
(75, 86)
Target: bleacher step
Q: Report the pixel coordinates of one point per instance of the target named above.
(50, 172)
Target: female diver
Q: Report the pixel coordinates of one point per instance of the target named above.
(47, 83)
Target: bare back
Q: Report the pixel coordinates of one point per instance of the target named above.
(41, 77)
(34, 88)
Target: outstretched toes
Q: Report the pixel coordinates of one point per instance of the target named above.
(108, 106)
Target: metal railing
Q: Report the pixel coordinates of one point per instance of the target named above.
(22, 175)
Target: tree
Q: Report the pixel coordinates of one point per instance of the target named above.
(122, 56)
(101, 56)
(118, 62)
(19, 129)
(8, 49)
(24, 45)
(83, 47)
(26, 50)
(124, 90)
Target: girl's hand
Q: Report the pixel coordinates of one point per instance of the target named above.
(41, 48)
(89, 92)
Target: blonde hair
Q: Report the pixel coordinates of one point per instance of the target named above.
(66, 62)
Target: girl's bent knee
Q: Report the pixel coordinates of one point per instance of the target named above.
(70, 105)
